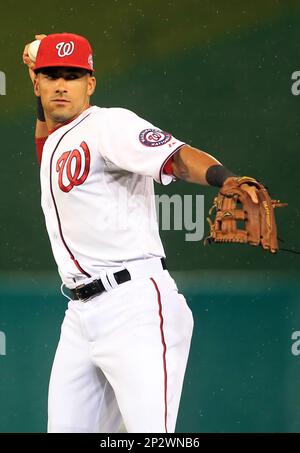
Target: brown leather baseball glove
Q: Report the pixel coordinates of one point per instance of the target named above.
(239, 219)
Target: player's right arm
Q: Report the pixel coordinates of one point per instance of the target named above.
(193, 165)
(41, 130)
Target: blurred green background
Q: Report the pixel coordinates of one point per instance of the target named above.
(218, 76)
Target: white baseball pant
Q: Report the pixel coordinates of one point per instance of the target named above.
(122, 357)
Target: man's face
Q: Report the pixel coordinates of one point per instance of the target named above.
(64, 92)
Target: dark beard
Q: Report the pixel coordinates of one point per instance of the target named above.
(57, 118)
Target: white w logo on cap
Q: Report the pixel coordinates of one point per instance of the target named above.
(65, 48)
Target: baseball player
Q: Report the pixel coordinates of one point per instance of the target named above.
(126, 334)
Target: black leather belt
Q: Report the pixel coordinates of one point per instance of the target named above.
(84, 292)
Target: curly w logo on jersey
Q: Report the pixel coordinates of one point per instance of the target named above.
(73, 167)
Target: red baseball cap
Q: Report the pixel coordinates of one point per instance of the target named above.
(64, 49)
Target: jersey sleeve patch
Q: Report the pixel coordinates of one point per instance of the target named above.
(154, 137)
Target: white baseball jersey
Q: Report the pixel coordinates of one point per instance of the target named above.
(97, 176)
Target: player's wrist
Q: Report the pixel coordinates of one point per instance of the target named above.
(216, 175)
(39, 109)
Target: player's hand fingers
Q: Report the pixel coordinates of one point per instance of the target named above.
(26, 59)
(40, 37)
(25, 55)
(28, 63)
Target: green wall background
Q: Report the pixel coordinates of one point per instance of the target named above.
(217, 75)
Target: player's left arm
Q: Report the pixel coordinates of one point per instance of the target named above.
(196, 166)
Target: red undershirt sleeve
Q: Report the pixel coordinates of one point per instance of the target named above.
(168, 170)
(39, 143)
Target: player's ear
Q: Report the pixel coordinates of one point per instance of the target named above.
(91, 85)
(36, 86)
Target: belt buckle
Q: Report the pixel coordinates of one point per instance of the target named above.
(93, 287)
(80, 286)
(76, 291)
